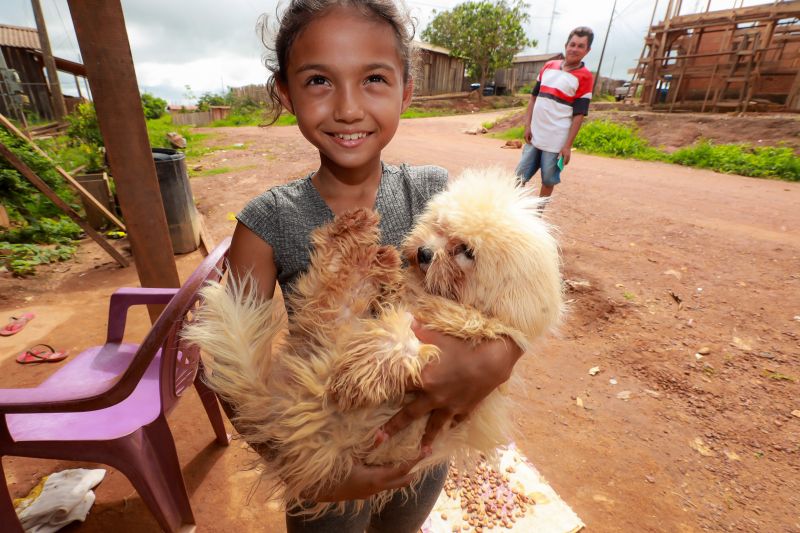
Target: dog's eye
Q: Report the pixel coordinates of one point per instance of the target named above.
(463, 249)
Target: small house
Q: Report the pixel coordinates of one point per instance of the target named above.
(439, 72)
(523, 71)
(22, 77)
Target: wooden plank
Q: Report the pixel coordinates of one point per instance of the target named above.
(103, 41)
(64, 174)
(206, 240)
(39, 183)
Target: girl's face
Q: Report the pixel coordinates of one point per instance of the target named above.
(345, 86)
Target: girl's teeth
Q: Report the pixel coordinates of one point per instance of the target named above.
(351, 136)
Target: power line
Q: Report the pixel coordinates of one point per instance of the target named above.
(70, 37)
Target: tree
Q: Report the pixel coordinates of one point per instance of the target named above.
(209, 99)
(486, 34)
(153, 106)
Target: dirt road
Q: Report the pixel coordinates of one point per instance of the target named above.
(684, 291)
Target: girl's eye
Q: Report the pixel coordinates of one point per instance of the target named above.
(317, 80)
(376, 78)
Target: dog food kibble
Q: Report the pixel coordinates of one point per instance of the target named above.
(487, 499)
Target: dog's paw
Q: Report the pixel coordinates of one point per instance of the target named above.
(352, 229)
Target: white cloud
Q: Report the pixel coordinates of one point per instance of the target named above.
(208, 43)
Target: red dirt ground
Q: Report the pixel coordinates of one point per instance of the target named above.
(663, 261)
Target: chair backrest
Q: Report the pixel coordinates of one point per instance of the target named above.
(180, 360)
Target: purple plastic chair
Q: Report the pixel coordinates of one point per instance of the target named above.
(109, 404)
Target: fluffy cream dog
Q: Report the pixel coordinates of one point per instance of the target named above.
(481, 265)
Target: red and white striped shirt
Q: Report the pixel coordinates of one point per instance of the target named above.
(560, 95)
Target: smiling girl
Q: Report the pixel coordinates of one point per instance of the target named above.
(344, 69)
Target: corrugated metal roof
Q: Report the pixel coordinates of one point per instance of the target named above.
(18, 37)
(537, 57)
(432, 47)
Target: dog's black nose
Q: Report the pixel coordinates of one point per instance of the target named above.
(424, 255)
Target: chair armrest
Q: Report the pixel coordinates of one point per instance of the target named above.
(124, 298)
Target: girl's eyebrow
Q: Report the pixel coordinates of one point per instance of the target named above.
(310, 66)
(319, 66)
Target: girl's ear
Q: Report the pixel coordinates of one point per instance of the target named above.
(408, 93)
(283, 95)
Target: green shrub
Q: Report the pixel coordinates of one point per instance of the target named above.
(742, 159)
(22, 259)
(610, 138)
(153, 106)
(84, 133)
(24, 203)
(208, 99)
(526, 89)
(60, 230)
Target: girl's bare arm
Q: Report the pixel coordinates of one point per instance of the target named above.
(455, 384)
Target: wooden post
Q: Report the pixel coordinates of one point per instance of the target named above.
(103, 40)
(39, 183)
(59, 109)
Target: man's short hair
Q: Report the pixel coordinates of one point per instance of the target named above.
(582, 31)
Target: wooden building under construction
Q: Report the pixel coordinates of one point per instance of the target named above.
(738, 59)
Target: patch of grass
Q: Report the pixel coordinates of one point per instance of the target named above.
(742, 159)
(416, 112)
(629, 296)
(618, 140)
(777, 376)
(209, 172)
(216, 171)
(247, 118)
(157, 130)
(606, 137)
(510, 134)
(286, 120)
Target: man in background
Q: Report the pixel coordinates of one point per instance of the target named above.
(559, 101)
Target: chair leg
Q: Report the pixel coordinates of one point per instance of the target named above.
(212, 408)
(149, 460)
(8, 516)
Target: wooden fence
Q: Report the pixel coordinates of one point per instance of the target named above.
(201, 118)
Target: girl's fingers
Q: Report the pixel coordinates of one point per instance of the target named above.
(417, 408)
(399, 476)
(436, 422)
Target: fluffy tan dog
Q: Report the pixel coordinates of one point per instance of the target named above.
(481, 265)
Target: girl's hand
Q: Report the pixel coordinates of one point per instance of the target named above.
(364, 481)
(456, 383)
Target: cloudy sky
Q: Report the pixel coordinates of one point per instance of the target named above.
(210, 45)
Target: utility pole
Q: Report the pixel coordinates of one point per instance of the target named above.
(59, 109)
(603, 50)
(550, 28)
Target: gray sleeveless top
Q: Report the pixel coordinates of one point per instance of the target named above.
(284, 216)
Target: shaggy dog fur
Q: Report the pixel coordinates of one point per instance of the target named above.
(482, 265)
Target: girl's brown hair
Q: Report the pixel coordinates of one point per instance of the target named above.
(299, 13)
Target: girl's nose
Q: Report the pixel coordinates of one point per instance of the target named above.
(348, 106)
